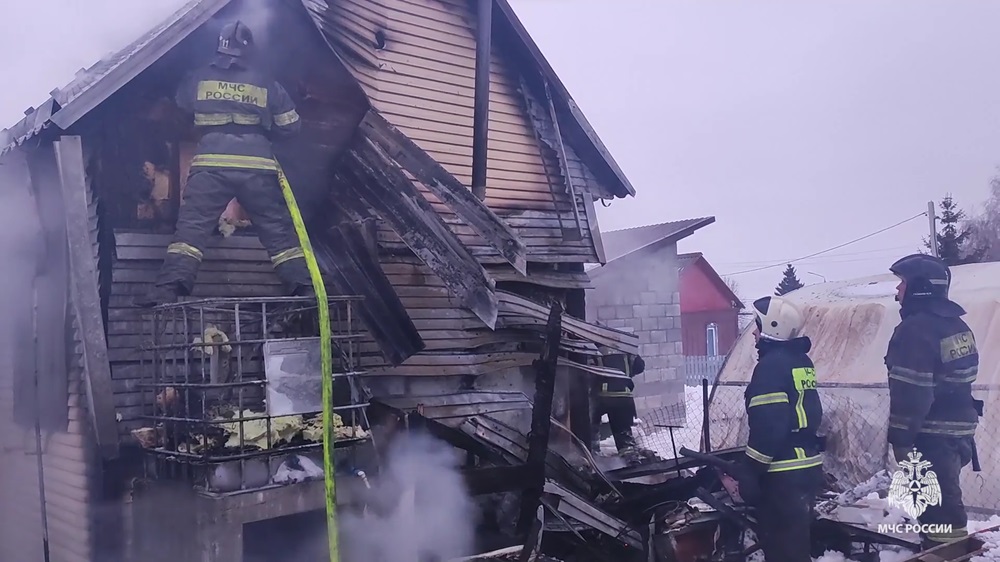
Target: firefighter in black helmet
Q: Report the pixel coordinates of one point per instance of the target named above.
(933, 361)
(237, 111)
(782, 471)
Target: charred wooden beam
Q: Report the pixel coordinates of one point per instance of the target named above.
(447, 188)
(386, 189)
(86, 295)
(564, 164)
(44, 371)
(541, 417)
(579, 387)
(517, 311)
(536, 117)
(481, 102)
(343, 254)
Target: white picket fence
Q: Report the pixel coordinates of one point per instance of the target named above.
(701, 367)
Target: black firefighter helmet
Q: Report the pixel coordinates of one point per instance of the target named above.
(925, 276)
(235, 39)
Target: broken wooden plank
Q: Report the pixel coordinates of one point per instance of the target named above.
(564, 164)
(579, 509)
(86, 295)
(550, 279)
(343, 255)
(459, 405)
(447, 188)
(383, 185)
(518, 311)
(456, 364)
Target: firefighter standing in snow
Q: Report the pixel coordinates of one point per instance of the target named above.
(237, 110)
(782, 471)
(614, 398)
(932, 361)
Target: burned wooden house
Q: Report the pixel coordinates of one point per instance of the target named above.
(448, 183)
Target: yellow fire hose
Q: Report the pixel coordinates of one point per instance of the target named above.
(326, 364)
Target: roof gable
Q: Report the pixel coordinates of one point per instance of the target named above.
(697, 259)
(94, 85)
(620, 243)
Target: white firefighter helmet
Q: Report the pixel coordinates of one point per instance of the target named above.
(777, 318)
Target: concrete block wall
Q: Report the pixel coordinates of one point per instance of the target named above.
(640, 291)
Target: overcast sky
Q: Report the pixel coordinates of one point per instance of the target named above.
(798, 125)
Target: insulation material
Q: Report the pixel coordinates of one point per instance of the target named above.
(232, 218)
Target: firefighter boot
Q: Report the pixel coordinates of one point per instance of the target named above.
(159, 294)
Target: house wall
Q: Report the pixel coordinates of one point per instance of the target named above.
(700, 291)
(702, 303)
(641, 291)
(422, 80)
(695, 324)
(67, 464)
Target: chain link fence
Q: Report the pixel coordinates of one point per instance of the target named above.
(855, 419)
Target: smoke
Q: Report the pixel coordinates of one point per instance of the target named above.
(71, 36)
(258, 15)
(420, 509)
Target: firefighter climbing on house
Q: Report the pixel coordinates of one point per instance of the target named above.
(933, 361)
(613, 396)
(237, 110)
(782, 471)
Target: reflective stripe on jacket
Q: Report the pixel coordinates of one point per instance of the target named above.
(615, 387)
(237, 110)
(932, 360)
(783, 408)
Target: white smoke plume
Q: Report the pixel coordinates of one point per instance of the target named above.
(71, 36)
(421, 510)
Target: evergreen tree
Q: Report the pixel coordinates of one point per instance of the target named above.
(789, 282)
(953, 239)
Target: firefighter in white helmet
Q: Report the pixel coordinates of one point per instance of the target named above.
(782, 471)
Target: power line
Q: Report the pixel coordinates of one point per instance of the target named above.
(837, 247)
(832, 257)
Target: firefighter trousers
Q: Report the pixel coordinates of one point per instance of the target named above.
(621, 415)
(947, 456)
(785, 513)
(206, 196)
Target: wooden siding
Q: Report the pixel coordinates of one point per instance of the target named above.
(422, 81)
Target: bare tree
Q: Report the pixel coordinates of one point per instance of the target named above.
(985, 225)
(744, 316)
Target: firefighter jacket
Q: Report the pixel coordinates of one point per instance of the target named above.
(783, 408)
(237, 111)
(616, 387)
(932, 361)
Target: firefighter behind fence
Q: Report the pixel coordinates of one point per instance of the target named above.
(613, 396)
(237, 111)
(933, 361)
(782, 471)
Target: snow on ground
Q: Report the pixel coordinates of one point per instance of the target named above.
(876, 509)
(657, 439)
(868, 495)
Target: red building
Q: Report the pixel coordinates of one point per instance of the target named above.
(709, 309)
